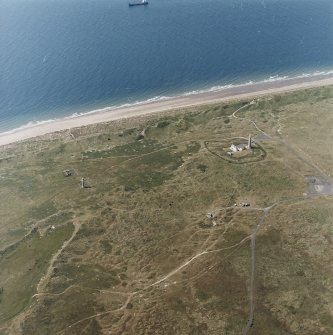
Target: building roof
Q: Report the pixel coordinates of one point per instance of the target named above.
(238, 147)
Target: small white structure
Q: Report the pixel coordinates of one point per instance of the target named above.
(82, 182)
(239, 147)
(249, 142)
(67, 173)
(210, 215)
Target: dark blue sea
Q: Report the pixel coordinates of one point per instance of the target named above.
(60, 57)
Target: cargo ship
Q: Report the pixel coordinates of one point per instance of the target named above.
(138, 3)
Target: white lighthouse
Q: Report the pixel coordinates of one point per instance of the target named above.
(249, 142)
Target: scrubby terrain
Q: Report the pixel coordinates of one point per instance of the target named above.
(171, 234)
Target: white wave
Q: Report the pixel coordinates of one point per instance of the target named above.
(215, 88)
(270, 79)
(273, 79)
(30, 124)
(207, 90)
(110, 108)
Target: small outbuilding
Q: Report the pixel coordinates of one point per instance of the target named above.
(239, 147)
(67, 173)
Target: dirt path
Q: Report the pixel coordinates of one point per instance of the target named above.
(156, 283)
(252, 270)
(307, 161)
(248, 119)
(251, 237)
(43, 282)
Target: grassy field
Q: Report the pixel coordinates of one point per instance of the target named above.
(164, 238)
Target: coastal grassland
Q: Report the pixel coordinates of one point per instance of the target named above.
(309, 127)
(23, 266)
(163, 239)
(303, 119)
(293, 272)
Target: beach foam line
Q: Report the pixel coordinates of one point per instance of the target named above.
(162, 103)
(270, 79)
(110, 108)
(217, 88)
(30, 124)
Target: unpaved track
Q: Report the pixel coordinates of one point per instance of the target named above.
(43, 282)
(251, 237)
(306, 161)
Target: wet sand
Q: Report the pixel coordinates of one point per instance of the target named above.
(115, 113)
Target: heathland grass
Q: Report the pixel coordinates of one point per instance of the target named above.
(23, 266)
(163, 239)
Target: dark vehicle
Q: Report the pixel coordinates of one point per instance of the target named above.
(138, 3)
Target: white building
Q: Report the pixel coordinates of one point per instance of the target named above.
(242, 146)
(239, 147)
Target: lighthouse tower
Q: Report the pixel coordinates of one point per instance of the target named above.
(249, 142)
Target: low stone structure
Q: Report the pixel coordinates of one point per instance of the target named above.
(67, 173)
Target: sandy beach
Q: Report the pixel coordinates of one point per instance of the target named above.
(114, 113)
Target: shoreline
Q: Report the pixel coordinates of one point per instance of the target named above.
(149, 107)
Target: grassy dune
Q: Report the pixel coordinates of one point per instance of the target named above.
(146, 257)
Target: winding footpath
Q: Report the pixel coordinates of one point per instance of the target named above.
(44, 280)
(206, 251)
(311, 164)
(253, 265)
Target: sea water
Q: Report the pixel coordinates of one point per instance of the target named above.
(64, 57)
